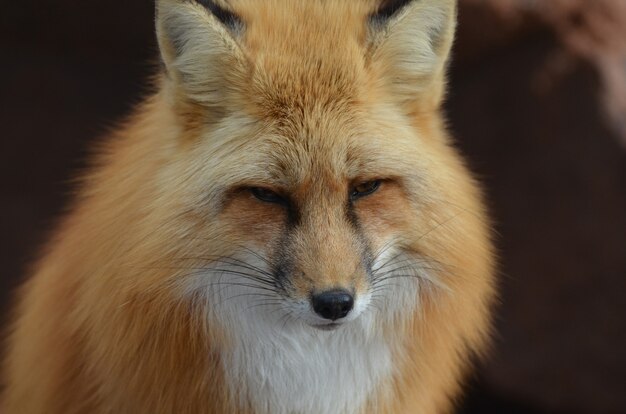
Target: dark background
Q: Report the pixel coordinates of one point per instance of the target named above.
(554, 171)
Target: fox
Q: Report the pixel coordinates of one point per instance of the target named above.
(283, 226)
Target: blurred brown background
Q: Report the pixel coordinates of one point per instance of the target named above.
(536, 102)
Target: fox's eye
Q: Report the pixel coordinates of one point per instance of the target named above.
(266, 195)
(364, 189)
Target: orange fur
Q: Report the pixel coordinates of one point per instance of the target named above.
(307, 99)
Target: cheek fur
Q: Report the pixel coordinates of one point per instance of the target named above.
(384, 214)
(254, 221)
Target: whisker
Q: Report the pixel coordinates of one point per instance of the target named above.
(240, 246)
(232, 283)
(224, 300)
(388, 262)
(257, 305)
(261, 281)
(229, 260)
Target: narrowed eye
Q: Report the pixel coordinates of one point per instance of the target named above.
(364, 189)
(267, 196)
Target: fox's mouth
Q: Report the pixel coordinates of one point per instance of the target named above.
(328, 326)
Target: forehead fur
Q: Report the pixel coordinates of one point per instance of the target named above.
(305, 54)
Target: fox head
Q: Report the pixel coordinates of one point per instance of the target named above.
(310, 180)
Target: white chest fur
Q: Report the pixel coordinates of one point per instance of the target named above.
(298, 369)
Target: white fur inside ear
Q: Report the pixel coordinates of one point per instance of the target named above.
(413, 47)
(198, 51)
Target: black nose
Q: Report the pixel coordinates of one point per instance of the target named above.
(333, 305)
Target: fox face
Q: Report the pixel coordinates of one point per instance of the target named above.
(317, 219)
(323, 183)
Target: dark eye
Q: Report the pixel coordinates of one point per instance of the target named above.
(267, 196)
(364, 189)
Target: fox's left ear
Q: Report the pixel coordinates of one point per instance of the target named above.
(410, 41)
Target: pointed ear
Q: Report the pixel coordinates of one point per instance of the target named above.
(199, 48)
(409, 49)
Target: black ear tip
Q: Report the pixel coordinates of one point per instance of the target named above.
(225, 16)
(389, 8)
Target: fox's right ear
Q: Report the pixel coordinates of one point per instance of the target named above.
(199, 48)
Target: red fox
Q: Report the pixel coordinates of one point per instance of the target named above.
(283, 227)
